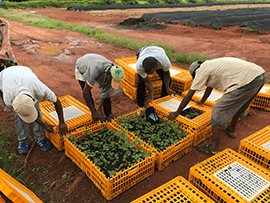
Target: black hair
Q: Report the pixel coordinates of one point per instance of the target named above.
(149, 63)
(194, 72)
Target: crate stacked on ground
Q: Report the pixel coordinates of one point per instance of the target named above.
(167, 152)
(213, 98)
(15, 191)
(199, 124)
(262, 100)
(76, 116)
(130, 81)
(176, 190)
(119, 181)
(231, 177)
(181, 79)
(256, 147)
(131, 91)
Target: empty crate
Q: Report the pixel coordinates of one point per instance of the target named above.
(76, 116)
(174, 191)
(256, 147)
(231, 177)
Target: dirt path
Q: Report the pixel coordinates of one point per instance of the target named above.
(34, 47)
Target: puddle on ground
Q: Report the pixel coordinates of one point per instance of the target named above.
(50, 49)
(56, 50)
(89, 44)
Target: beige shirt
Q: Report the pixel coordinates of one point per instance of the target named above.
(225, 74)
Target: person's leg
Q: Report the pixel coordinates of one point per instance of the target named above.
(107, 107)
(140, 92)
(215, 146)
(23, 134)
(39, 132)
(163, 91)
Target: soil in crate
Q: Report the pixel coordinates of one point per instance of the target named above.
(191, 113)
(109, 150)
(160, 136)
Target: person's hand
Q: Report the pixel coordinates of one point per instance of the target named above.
(6, 109)
(48, 127)
(199, 103)
(170, 91)
(147, 102)
(172, 115)
(62, 127)
(96, 115)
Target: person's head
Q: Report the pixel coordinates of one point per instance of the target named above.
(193, 67)
(117, 74)
(150, 65)
(6, 63)
(24, 106)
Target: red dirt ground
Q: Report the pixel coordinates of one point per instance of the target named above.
(31, 48)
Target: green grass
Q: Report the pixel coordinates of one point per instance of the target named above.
(71, 3)
(118, 41)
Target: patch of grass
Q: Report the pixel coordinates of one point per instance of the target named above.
(119, 41)
(9, 161)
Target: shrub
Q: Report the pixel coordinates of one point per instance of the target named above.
(129, 2)
(154, 2)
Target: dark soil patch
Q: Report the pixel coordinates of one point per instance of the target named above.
(141, 24)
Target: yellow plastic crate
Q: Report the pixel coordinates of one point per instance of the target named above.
(171, 153)
(230, 177)
(212, 99)
(131, 91)
(256, 147)
(176, 190)
(76, 113)
(131, 74)
(181, 79)
(15, 191)
(199, 125)
(262, 100)
(110, 187)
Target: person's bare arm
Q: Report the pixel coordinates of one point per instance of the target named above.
(88, 101)
(206, 94)
(182, 105)
(166, 78)
(46, 126)
(62, 127)
(149, 87)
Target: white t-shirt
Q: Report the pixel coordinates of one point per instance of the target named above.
(158, 53)
(21, 80)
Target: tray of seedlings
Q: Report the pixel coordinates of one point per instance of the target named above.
(170, 140)
(110, 157)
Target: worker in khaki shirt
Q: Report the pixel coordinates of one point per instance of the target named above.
(240, 80)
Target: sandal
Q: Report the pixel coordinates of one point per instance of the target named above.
(205, 149)
(227, 132)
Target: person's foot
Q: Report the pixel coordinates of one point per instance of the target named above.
(109, 118)
(205, 149)
(45, 146)
(229, 133)
(23, 147)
